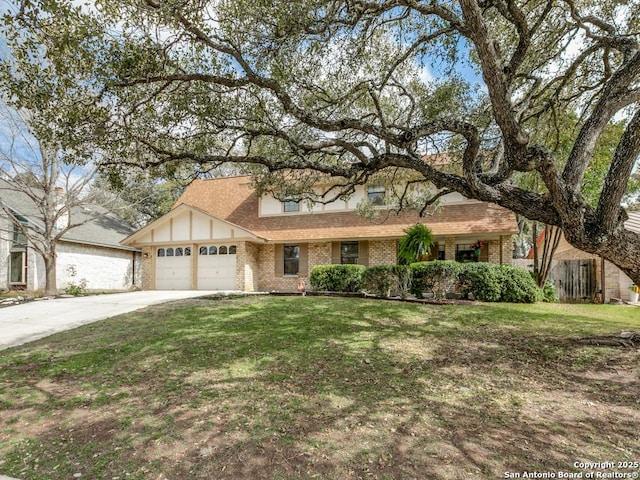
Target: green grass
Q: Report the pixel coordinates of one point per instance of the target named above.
(312, 387)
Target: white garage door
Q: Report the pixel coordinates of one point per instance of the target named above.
(173, 268)
(217, 267)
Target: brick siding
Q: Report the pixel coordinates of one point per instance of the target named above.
(146, 268)
(247, 269)
(506, 250)
(382, 252)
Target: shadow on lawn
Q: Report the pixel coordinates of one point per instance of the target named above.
(291, 388)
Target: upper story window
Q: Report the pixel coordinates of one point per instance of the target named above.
(349, 253)
(19, 238)
(291, 205)
(375, 194)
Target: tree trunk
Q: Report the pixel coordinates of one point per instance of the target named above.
(550, 244)
(50, 287)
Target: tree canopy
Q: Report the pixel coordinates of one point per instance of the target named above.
(308, 89)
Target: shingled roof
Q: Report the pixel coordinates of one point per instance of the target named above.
(98, 226)
(234, 200)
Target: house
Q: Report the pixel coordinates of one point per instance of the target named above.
(602, 275)
(221, 235)
(90, 252)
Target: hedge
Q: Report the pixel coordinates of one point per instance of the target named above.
(518, 286)
(489, 282)
(438, 277)
(382, 280)
(336, 278)
(482, 280)
(378, 280)
(485, 281)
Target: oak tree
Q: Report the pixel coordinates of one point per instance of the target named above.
(309, 89)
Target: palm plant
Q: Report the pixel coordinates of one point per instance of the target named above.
(416, 244)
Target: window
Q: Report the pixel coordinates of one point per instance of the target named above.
(179, 252)
(19, 238)
(203, 250)
(375, 194)
(187, 251)
(161, 252)
(213, 250)
(291, 259)
(291, 205)
(465, 253)
(232, 250)
(349, 252)
(222, 250)
(17, 268)
(169, 252)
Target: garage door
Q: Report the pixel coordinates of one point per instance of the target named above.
(217, 267)
(173, 268)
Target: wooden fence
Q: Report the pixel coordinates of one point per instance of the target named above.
(575, 280)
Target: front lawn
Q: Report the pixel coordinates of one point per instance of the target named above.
(312, 387)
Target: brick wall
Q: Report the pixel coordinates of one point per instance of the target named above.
(382, 252)
(319, 254)
(506, 250)
(495, 254)
(450, 248)
(147, 268)
(267, 279)
(247, 266)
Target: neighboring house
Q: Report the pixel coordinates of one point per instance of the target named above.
(221, 235)
(91, 252)
(615, 281)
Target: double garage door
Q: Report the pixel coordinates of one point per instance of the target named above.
(216, 268)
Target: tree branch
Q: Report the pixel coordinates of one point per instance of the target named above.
(626, 154)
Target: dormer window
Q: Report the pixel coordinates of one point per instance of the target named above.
(291, 205)
(375, 194)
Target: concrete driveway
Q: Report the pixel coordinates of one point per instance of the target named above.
(33, 320)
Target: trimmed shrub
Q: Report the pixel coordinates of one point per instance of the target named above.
(489, 282)
(336, 278)
(379, 280)
(518, 286)
(482, 280)
(439, 277)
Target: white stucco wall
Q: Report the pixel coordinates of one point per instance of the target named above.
(4, 253)
(271, 206)
(103, 268)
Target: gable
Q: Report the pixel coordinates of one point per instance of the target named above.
(187, 224)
